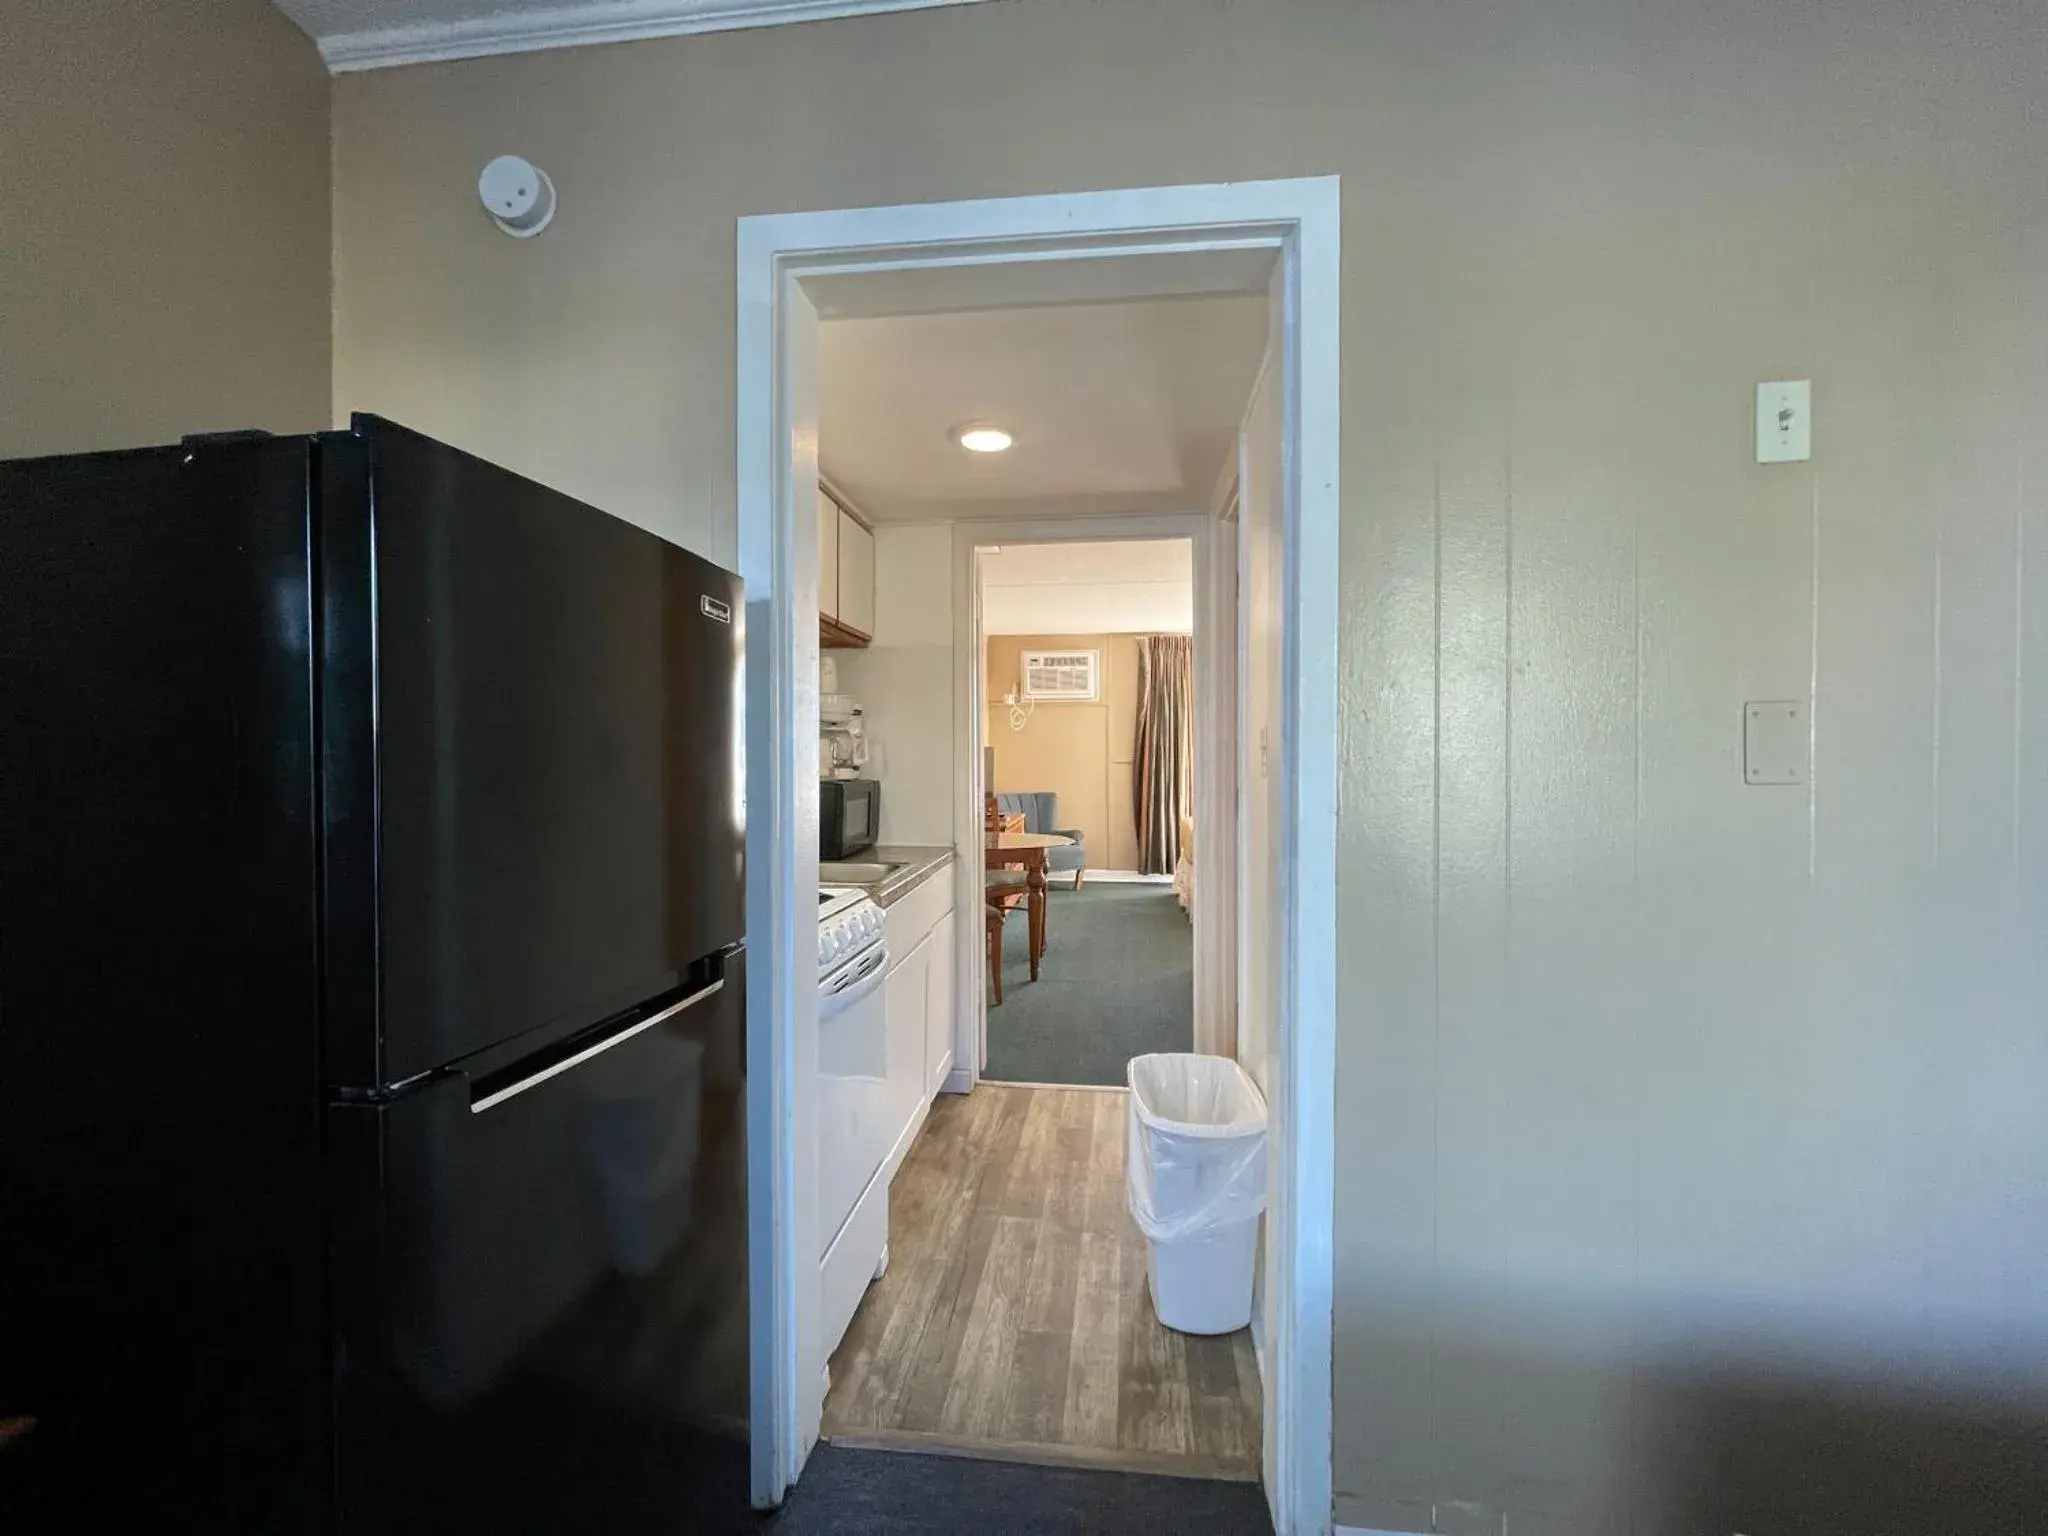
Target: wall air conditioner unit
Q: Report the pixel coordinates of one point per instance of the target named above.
(1063, 677)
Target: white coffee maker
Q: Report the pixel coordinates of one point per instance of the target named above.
(842, 735)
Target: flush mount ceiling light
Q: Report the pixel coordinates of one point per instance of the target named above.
(982, 437)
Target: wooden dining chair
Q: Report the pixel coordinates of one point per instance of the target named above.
(1005, 891)
(995, 951)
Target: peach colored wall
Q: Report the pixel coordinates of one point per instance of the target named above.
(1082, 752)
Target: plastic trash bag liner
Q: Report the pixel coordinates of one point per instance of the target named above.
(1197, 1154)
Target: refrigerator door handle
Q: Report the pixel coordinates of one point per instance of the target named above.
(512, 1090)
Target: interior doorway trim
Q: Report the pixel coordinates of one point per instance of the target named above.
(776, 451)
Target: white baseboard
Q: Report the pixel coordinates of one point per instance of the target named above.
(1113, 877)
(1359, 1530)
(1004, 1082)
(959, 1080)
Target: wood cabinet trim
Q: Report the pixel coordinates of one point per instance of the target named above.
(835, 636)
(845, 504)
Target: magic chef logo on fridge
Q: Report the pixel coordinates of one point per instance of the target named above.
(714, 609)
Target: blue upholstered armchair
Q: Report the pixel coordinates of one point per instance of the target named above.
(1041, 811)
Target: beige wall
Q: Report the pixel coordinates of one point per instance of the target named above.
(1679, 1123)
(905, 684)
(1082, 752)
(164, 252)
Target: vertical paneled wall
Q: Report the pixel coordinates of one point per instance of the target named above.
(1691, 1151)
(1691, 1135)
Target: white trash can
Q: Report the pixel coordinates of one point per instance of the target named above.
(1196, 1177)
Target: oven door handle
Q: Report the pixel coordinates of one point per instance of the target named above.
(868, 976)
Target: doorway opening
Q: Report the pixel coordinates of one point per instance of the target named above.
(1016, 1320)
(1087, 725)
(796, 273)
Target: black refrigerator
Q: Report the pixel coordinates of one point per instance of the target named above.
(371, 1041)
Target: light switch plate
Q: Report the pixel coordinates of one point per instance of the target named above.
(1775, 738)
(1784, 421)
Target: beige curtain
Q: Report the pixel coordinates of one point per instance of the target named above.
(1162, 766)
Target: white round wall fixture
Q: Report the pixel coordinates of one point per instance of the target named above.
(517, 195)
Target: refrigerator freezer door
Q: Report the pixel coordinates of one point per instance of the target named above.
(544, 1304)
(557, 756)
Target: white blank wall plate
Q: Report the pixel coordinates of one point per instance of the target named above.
(1784, 421)
(1775, 738)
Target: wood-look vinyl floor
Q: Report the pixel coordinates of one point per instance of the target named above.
(1015, 1320)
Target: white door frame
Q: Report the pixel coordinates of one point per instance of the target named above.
(1217, 812)
(1213, 1011)
(776, 448)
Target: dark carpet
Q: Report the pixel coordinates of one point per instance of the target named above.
(696, 1485)
(1117, 981)
(852, 1493)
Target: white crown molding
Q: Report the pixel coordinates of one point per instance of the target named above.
(580, 26)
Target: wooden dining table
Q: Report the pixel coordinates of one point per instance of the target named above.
(1026, 850)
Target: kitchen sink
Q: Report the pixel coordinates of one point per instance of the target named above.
(856, 873)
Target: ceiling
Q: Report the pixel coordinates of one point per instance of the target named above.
(1116, 407)
(374, 34)
(1110, 587)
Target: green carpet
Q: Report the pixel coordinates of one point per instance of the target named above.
(1117, 981)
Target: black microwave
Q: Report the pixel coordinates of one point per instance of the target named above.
(849, 815)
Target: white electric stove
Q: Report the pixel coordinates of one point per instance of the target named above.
(854, 1129)
(849, 923)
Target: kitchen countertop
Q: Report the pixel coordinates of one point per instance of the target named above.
(919, 865)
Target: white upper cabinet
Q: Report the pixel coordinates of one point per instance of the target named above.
(828, 556)
(846, 575)
(856, 577)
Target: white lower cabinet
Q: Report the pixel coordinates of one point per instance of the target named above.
(907, 998)
(918, 997)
